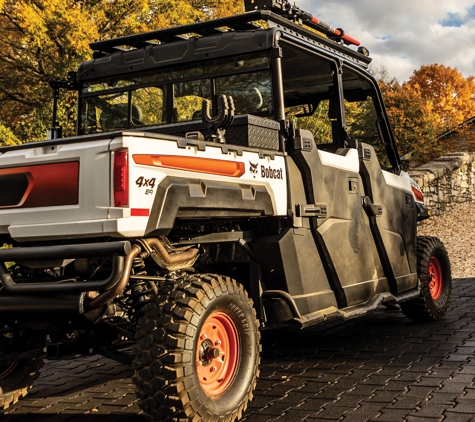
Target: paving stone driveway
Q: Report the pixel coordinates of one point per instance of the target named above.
(380, 367)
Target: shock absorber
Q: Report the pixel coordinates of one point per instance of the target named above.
(138, 293)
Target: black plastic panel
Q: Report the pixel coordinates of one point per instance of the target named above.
(228, 44)
(12, 189)
(190, 199)
(291, 263)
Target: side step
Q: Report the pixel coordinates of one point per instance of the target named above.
(312, 318)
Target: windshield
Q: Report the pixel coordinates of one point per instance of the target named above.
(175, 95)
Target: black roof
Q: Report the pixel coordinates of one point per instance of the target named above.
(244, 22)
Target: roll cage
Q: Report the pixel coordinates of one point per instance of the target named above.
(161, 77)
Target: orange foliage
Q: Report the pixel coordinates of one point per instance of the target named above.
(450, 95)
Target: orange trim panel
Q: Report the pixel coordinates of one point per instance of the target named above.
(197, 164)
(41, 185)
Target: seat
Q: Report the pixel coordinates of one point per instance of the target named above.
(137, 115)
(115, 117)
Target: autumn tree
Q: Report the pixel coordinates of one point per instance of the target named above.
(40, 39)
(414, 122)
(435, 99)
(450, 95)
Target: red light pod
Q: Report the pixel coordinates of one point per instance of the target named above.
(418, 194)
(121, 179)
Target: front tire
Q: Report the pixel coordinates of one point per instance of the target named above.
(433, 268)
(197, 353)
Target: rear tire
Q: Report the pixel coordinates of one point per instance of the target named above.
(197, 353)
(16, 378)
(433, 268)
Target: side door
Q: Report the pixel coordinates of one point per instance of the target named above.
(388, 201)
(314, 99)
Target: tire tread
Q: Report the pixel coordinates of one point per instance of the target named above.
(17, 385)
(424, 308)
(164, 352)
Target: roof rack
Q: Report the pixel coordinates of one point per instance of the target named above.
(297, 15)
(243, 22)
(213, 27)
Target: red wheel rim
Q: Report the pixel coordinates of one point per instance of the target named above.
(217, 356)
(436, 282)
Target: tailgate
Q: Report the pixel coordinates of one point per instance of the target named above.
(47, 185)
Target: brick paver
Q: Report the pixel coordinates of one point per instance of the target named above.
(380, 367)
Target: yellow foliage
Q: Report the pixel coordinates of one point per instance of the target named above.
(7, 138)
(45, 38)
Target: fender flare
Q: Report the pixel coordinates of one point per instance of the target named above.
(196, 198)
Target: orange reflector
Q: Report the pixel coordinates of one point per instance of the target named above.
(139, 212)
(201, 165)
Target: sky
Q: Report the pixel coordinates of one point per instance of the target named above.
(404, 35)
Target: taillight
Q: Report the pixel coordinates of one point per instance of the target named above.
(121, 179)
(418, 194)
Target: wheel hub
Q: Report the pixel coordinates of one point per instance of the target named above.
(218, 353)
(207, 353)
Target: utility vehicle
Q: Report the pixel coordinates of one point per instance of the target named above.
(227, 177)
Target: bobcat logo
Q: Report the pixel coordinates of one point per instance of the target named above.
(253, 168)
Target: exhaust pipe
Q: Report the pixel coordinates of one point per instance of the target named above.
(155, 249)
(67, 287)
(56, 309)
(57, 298)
